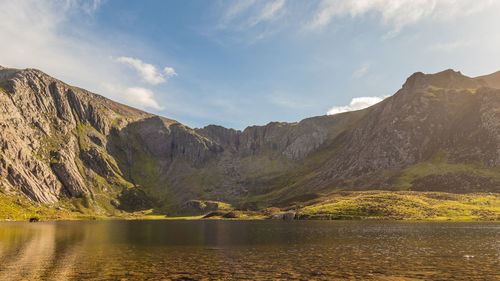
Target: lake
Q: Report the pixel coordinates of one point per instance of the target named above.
(252, 250)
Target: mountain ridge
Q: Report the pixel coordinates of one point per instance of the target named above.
(60, 142)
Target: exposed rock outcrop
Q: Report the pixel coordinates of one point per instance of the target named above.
(284, 216)
(438, 132)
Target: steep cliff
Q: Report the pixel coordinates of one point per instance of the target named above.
(59, 143)
(438, 133)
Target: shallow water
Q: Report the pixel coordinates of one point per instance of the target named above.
(253, 250)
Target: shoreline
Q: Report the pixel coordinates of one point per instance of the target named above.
(339, 206)
(200, 218)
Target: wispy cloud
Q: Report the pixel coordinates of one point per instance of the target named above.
(278, 15)
(37, 33)
(147, 71)
(450, 46)
(89, 6)
(169, 71)
(236, 8)
(249, 13)
(361, 71)
(269, 12)
(395, 13)
(355, 104)
(249, 21)
(41, 36)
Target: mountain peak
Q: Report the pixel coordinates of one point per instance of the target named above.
(449, 79)
(58, 141)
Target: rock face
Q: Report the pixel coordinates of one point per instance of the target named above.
(53, 137)
(284, 216)
(438, 132)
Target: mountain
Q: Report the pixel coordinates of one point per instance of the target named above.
(60, 144)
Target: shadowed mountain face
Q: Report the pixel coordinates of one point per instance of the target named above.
(438, 132)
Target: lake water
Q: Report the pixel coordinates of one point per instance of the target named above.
(252, 250)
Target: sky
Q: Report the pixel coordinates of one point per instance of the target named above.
(240, 63)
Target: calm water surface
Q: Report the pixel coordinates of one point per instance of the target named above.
(252, 250)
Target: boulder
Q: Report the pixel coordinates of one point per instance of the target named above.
(284, 216)
(230, 215)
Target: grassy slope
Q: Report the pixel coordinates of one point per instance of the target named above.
(440, 165)
(404, 205)
(293, 182)
(19, 208)
(348, 205)
(401, 205)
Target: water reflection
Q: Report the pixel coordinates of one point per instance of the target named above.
(37, 251)
(212, 250)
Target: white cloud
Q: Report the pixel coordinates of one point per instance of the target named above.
(40, 36)
(141, 97)
(148, 72)
(269, 12)
(397, 13)
(360, 72)
(90, 6)
(355, 104)
(251, 21)
(37, 38)
(248, 21)
(169, 71)
(242, 15)
(237, 8)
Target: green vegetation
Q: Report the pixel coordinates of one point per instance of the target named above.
(17, 207)
(401, 205)
(51, 142)
(293, 181)
(404, 205)
(80, 132)
(439, 165)
(144, 169)
(216, 204)
(200, 182)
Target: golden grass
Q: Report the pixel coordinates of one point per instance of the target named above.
(405, 205)
(400, 205)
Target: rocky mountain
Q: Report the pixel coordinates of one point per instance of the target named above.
(58, 143)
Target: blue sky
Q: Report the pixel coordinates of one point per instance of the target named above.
(240, 63)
